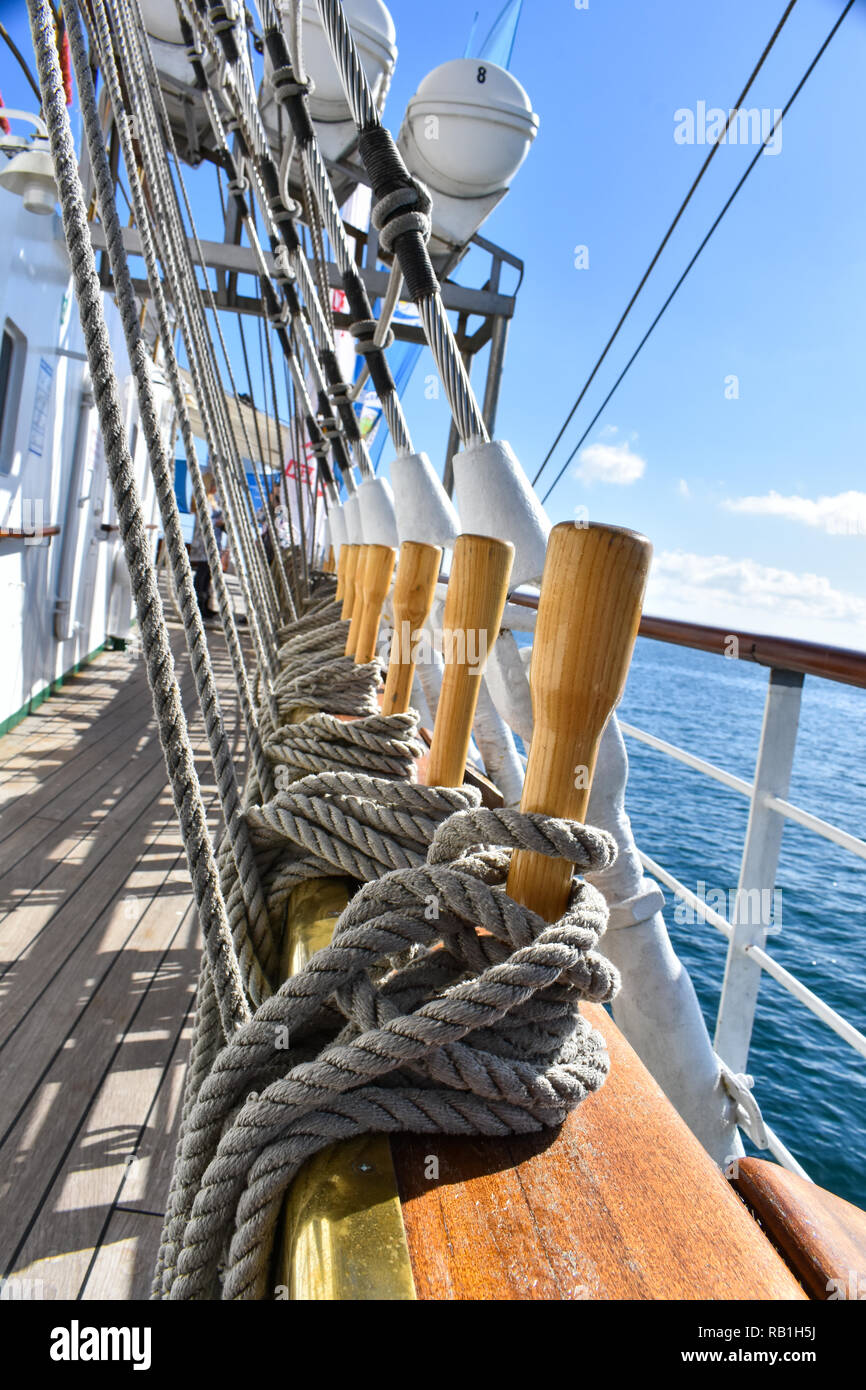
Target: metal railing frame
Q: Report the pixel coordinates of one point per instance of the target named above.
(788, 662)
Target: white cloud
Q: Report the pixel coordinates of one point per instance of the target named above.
(843, 515)
(683, 488)
(723, 592)
(610, 463)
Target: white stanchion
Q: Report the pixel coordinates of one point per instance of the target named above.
(508, 682)
(496, 745)
(337, 529)
(657, 1008)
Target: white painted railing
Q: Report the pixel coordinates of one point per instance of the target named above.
(769, 809)
(788, 662)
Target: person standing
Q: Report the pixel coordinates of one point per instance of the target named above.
(197, 553)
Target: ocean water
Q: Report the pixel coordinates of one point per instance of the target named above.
(811, 1085)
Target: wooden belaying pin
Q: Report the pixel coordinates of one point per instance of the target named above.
(477, 590)
(378, 569)
(414, 591)
(351, 565)
(588, 615)
(357, 600)
(342, 566)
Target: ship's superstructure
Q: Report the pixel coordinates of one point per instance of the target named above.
(62, 576)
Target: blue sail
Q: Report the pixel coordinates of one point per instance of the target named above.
(498, 47)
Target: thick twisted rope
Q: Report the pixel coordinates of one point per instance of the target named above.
(316, 674)
(160, 667)
(314, 834)
(241, 865)
(339, 823)
(337, 686)
(377, 743)
(162, 222)
(314, 616)
(257, 584)
(482, 1035)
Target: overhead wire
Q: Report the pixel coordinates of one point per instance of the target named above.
(665, 239)
(785, 109)
(22, 62)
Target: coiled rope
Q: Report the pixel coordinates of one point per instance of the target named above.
(436, 1026)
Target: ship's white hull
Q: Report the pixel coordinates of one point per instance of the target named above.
(62, 595)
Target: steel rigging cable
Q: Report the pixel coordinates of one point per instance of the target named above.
(665, 239)
(785, 109)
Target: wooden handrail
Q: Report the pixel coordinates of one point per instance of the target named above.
(841, 664)
(18, 533)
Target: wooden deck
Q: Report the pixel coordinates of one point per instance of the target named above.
(99, 954)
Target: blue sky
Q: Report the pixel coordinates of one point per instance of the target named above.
(756, 505)
(778, 298)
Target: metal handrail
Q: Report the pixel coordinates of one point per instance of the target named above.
(788, 662)
(828, 831)
(840, 664)
(807, 997)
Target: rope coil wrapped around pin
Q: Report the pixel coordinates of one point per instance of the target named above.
(435, 1027)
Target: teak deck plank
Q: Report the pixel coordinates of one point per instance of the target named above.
(75, 850)
(36, 939)
(124, 1263)
(51, 724)
(86, 1139)
(81, 992)
(138, 778)
(148, 1177)
(99, 992)
(87, 768)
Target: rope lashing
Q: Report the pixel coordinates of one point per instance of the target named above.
(318, 635)
(316, 674)
(338, 686)
(318, 613)
(401, 211)
(386, 744)
(307, 652)
(388, 174)
(317, 181)
(442, 1028)
(389, 216)
(364, 333)
(355, 824)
